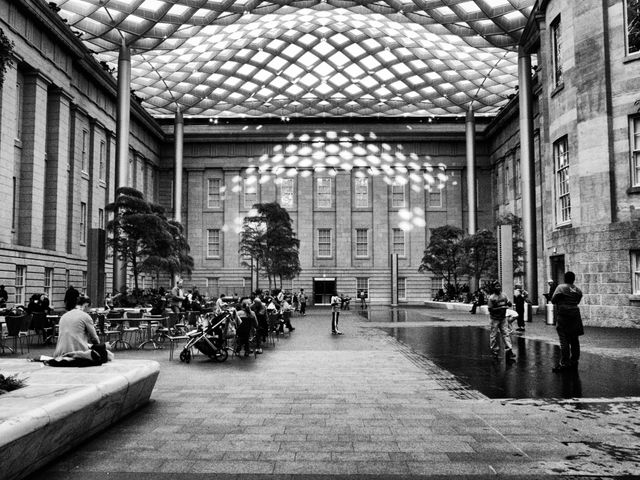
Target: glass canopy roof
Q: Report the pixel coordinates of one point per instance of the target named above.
(309, 58)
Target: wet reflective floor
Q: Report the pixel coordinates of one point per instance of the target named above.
(464, 351)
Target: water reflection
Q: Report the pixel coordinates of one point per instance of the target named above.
(464, 351)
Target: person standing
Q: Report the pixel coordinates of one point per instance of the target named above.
(519, 302)
(177, 297)
(498, 304)
(76, 330)
(362, 295)
(335, 314)
(70, 298)
(4, 297)
(566, 298)
(302, 298)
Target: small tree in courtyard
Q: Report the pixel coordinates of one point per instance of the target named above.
(444, 255)
(480, 256)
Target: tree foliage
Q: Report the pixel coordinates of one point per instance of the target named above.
(444, 255)
(268, 238)
(6, 55)
(480, 258)
(142, 237)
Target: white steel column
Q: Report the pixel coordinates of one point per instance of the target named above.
(122, 145)
(527, 169)
(178, 134)
(470, 130)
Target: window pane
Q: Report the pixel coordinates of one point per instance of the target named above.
(324, 242)
(435, 198)
(286, 192)
(563, 198)
(323, 192)
(213, 242)
(633, 25)
(556, 40)
(398, 241)
(397, 196)
(362, 192)
(250, 192)
(362, 242)
(402, 288)
(213, 197)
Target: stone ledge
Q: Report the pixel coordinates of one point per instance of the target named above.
(466, 307)
(61, 407)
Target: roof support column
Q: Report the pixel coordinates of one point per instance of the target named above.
(178, 134)
(527, 169)
(470, 129)
(122, 146)
(178, 138)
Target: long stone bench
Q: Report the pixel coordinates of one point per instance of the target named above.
(62, 407)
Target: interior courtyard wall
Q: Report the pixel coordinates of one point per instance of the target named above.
(592, 108)
(65, 97)
(226, 152)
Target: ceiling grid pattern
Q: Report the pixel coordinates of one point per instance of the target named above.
(310, 58)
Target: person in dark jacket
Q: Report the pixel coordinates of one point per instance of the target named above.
(566, 298)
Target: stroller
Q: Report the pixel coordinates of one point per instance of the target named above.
(210, 338)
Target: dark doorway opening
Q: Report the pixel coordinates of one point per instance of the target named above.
(323, 289)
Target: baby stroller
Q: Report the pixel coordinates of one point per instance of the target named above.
(210, 338)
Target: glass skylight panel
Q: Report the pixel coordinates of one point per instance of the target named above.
(355, 51)
(469, 7)
(368, 82)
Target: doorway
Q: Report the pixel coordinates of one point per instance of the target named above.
(557, 269)
(323, 289)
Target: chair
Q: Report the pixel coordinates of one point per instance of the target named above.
(173, 332)
(18, 330)
(116, 329)
(153, 337)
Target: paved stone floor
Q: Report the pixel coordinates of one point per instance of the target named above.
(360, 406)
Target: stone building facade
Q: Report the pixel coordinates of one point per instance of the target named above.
(356, 188)
(57, 157)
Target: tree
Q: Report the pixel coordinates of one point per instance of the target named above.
(444, 255)
(142, 237)
(175, 260)
(268, 238)
(6, 54)
(480, 255)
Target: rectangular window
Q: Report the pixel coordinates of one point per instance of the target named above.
(101, 218)
(250, 192)
(323, 192)
(67, 278)
(435, 198)
(132, 172)
(84, 153)
(517, 188)
(632, 11)
(287, 191)
(84, 283)
(563, 198)
(213, 243)
(362, 283)
(324, 242)
(556, 49)
(213, 193)
(635, 152)
(20, 282)
(362, 242)
(635, 271)
(402, 288)
(19, 103)
(83, 222)
(397, 196)
(102, 160)
(398, 242)
(14, 208)
(507, 180)
(362, 192)
(48, 281)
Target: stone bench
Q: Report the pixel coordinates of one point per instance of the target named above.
(61, 407)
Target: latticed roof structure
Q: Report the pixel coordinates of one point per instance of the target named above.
(310, 58)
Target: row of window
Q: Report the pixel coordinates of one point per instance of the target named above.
(323, 193)
(632, 39)
(324, 243)
(20, 284)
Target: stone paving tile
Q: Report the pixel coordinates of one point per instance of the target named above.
(231, 467)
